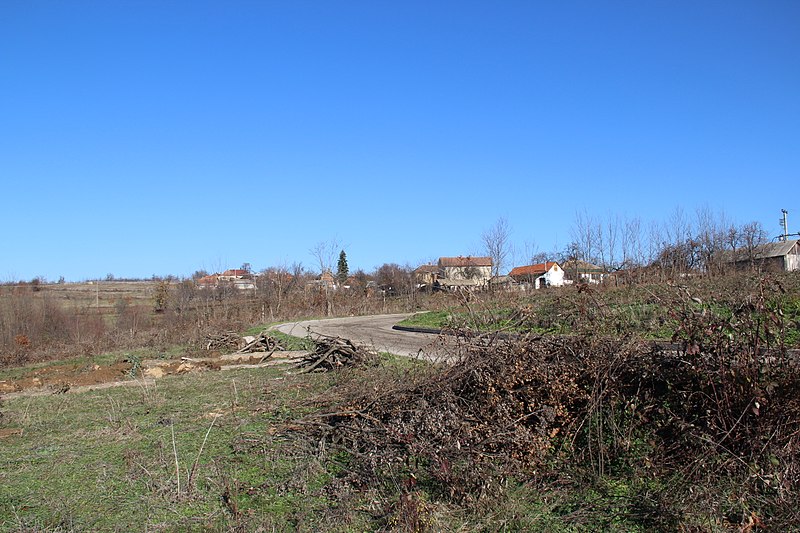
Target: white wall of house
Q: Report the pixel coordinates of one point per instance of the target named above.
(552, 278)
(791, 262)
(591, 277)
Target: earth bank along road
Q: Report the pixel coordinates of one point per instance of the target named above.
(375, 331)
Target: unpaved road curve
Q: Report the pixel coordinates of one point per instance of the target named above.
(375, 330)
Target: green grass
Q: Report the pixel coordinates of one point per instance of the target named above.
(290, 342)
(104, 460)
(429, 319)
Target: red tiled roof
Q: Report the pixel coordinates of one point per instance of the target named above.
(427, 269)
(532, 270)
(462, 261)
(235, 272)
(273, 275)
(208, 280)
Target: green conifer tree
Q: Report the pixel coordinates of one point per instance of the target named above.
(342, 270)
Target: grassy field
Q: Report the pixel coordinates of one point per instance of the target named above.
(580, 433)
(106, 460)
(217, 451)
(96, 295)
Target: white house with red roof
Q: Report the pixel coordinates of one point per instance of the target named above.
(547, 274)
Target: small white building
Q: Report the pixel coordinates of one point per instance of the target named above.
(548, 274)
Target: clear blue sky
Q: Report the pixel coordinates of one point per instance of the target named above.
(162, 137)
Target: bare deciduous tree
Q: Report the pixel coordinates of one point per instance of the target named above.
(583, 236)
(496, 243)
(394, 279)
(324, 253)
(751, 235)
(275, 283)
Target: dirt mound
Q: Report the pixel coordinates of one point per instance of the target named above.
(61, 378)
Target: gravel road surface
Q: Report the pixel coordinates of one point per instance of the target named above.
(373, 330)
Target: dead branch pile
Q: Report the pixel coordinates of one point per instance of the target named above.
(496, 411)
(331, 353)
(222, 341)
(259, 343)
(229, 341)
(538, 408)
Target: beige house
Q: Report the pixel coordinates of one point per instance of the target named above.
(426, 275)
(464, 271)
(325, 282)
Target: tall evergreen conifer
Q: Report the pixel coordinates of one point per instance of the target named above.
(342, 270)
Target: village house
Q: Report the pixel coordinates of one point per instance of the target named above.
(325, 282)
(464, 271)
(236, 278)
(781, 256)
(234, 274)
(548, 274)
(426, 275)
(208, 282)
(579, 271)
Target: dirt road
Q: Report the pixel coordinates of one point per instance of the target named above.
(373, 330)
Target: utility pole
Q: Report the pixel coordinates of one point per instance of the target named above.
(785, 225)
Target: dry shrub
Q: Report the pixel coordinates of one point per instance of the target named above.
(22, 341)
(571, 411)
(29, 324)
(497, 411)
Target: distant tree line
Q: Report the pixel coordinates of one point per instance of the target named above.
(698, 244)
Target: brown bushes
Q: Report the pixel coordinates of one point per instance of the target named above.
(639, 436)
(59, 327)
(27, 324)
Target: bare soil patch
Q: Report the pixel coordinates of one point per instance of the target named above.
(78, 377)
(10, 432)
(61, 378)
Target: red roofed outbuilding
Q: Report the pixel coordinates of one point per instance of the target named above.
(548, 274)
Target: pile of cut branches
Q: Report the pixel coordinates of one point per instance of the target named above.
(331, 353)
(229, 341)
(499, 410)
(262, 342)
(557, 410)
